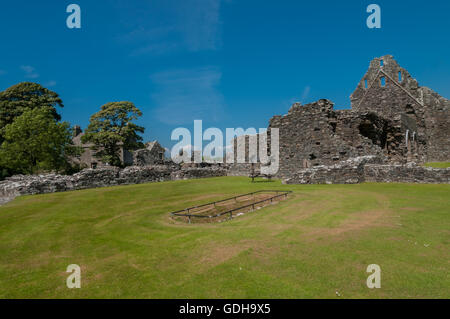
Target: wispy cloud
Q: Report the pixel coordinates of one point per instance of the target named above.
(201, 28)
(303, 98)
(305, 94)
(186, 95)
(30, 72)
(158, 27)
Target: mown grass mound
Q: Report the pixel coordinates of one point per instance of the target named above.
(318, 242)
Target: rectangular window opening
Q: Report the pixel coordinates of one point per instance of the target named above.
(383, 81)
(399, 76)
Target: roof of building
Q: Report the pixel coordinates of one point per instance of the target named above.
(151, 145)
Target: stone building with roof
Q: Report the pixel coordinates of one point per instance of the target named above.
(152, 154)
(88, 159)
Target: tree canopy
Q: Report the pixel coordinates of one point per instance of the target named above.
(24, 96)
(36, 142)
(113, 127)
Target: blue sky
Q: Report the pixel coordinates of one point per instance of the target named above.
(230, 63)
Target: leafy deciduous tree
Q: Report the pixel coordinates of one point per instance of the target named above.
(113, 127)
(35, 142)
(24, 96)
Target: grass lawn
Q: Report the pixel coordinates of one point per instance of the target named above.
(438, 164)
(317, 242)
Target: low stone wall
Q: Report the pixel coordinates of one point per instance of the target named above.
(93, 178)
(366, 169)
(242, 169)
(328, 175)
(356, 170)
(191, 173)
(346, 172)
(409, 173)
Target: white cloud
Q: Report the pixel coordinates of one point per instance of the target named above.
(186, 95)
(30, 72)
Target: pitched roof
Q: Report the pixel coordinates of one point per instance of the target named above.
(151, 145)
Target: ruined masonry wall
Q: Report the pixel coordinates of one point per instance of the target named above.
(90, 178)
(366, 169)
(423, 112)
(409, 173)
(392, 117)
(314, 134)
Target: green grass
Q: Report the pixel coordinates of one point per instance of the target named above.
(438, 164)
(317, 242)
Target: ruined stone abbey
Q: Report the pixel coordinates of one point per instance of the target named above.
(392, 119)
(393, 127)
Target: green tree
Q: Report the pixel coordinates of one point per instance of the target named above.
(24, 96)
(113, 127)
(36, 142)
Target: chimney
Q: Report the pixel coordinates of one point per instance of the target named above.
(76, 130)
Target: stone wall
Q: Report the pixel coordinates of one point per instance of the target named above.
(350, 171)
(437, 123)
(390, 91)
(145, 157)
(409, 173)
(191, 173)
(335, 174)
(243, 169)
(314, 135)
(369, 169)
(92, 178)
(152, 154)
(392, 117)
